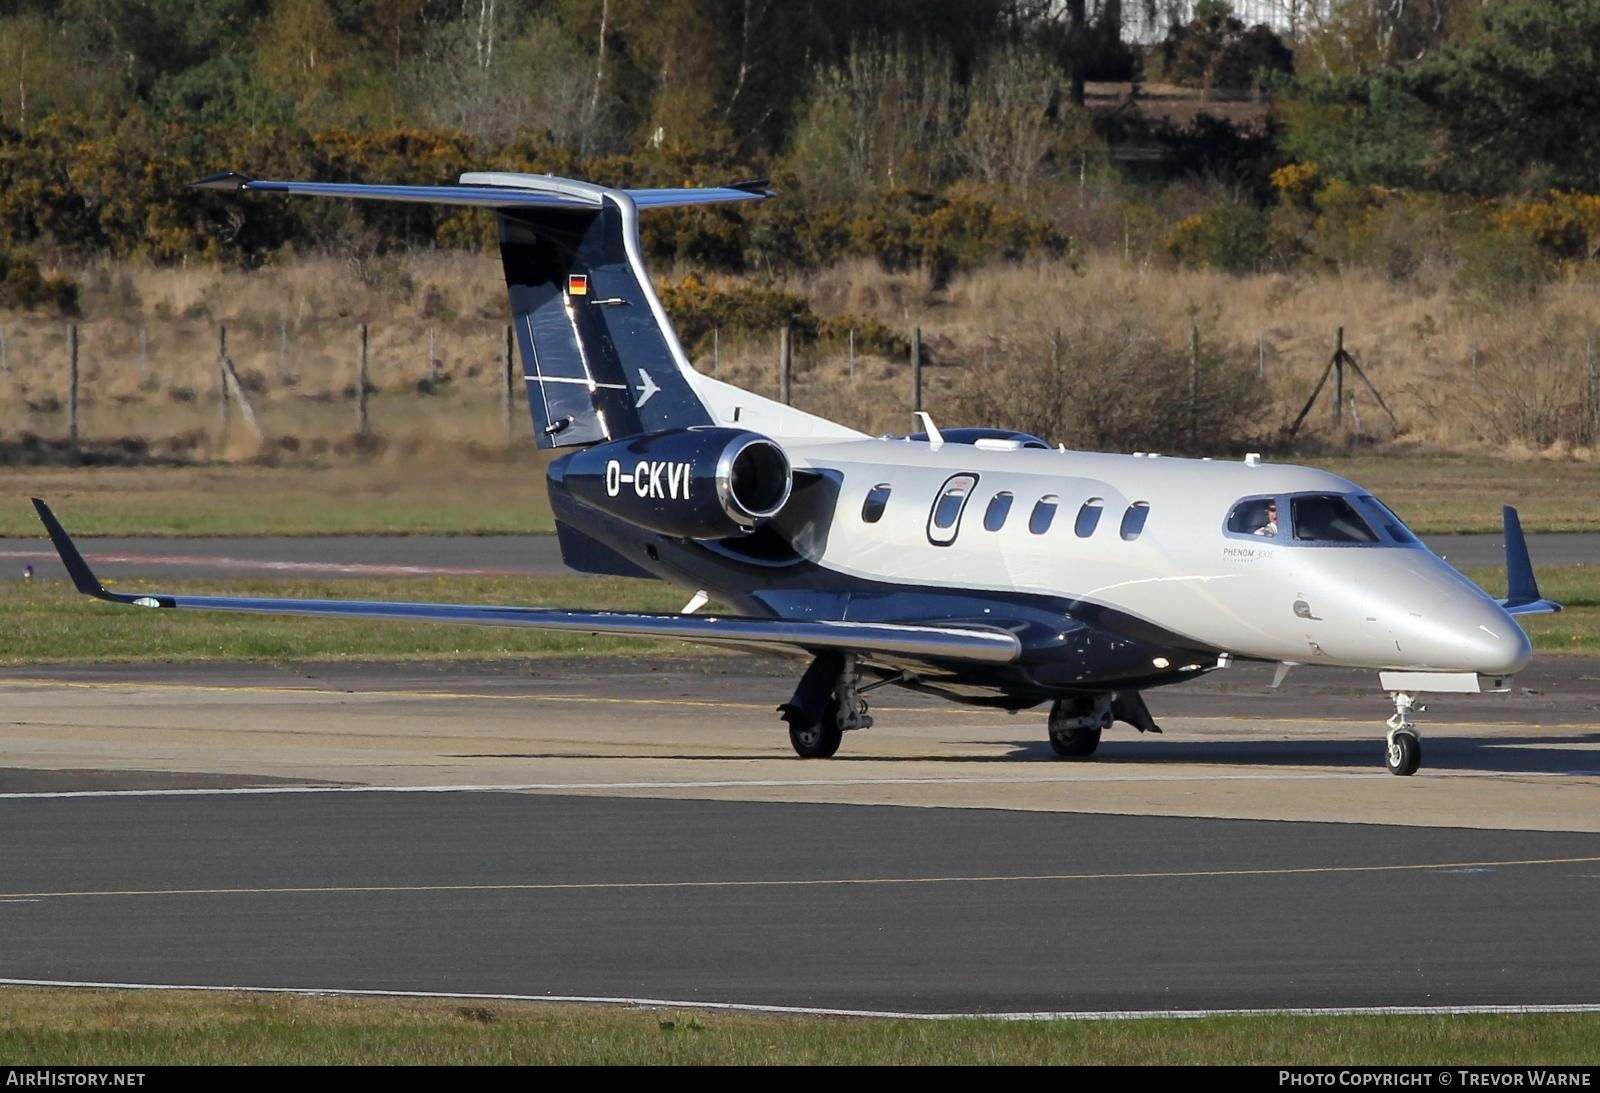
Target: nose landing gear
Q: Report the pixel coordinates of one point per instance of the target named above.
(1404, 752)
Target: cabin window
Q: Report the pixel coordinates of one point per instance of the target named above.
(1133, 520)
(877, 498)
(1329, 518)
(994, 517)
(1043, 513)
(1255, 516)
(1089, 517)
(946, 518)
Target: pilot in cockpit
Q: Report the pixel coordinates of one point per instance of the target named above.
(1269, 517)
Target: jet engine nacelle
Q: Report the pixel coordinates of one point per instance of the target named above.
(697, 483)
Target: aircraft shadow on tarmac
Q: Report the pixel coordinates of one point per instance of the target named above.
(1549, 753)
(1508, 753)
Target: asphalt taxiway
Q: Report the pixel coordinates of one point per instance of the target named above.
(639, 830)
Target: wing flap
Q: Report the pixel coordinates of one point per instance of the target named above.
(922, 642)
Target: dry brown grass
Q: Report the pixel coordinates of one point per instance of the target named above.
(149, 350)
(1417, 345)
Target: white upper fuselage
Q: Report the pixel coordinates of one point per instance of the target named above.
(1384, 604)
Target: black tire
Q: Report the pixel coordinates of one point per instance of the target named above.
(1404, 755)
(818, 741)
(1075, 743)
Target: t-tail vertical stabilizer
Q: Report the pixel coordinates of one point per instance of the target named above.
(599, 354)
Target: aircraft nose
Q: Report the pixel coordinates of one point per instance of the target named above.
(1503, 650)
(1490, 642)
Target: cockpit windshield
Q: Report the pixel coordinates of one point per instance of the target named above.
(1384, 517)
(1328, 518)
(1319, 518)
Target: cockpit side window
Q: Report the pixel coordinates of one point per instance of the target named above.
(1255, 516)
(1329, 518)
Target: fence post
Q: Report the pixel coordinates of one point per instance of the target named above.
(506, 385)
(283, 350)
(1338, 377)
(234, 387)
(852, 353)
(72, 386)
(222, 376)
(361, 388)
(144, 357)
(5, 364)
(433, 354)
(1194, 382)
(1589, 422)
(785, 366)
(716, 349)
(1261, 354)
(916, 368)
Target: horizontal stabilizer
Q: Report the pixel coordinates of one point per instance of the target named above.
(491, 189)
(921, 642)
(1522, 588)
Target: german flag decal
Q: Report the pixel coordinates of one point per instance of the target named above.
(578, 284)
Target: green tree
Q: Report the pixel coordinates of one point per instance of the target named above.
(1515, 104)
(1518, 105)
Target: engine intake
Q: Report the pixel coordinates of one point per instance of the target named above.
(700, 483)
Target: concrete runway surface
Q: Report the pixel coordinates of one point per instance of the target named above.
(639, 830)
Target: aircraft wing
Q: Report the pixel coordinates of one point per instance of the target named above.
(916, 641)
(1522, 589)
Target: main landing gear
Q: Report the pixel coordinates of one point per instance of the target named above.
(1076, 724)
(1077, 721)
(1404, 752)
(826, 705)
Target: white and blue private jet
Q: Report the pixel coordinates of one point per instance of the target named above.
(976, 564)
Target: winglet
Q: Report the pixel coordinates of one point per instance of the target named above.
(1522, 588)
(78, 569)
(753, 186)
(222, 180)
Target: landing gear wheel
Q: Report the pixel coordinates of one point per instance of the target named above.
(821, 740)
(1076, 724)
(1075, 743)
(1404, 754)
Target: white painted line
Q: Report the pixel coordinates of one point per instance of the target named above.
(762, 783)
(818, 1011)
(359, 569)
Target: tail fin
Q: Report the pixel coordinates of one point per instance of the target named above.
(598, 352)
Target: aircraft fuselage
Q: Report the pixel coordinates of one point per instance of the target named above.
(1057, 543)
